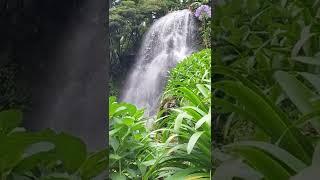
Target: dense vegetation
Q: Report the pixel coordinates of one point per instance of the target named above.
(266, 89)
(265, 105)
(128, 21)
(44, 155)
(178, 146)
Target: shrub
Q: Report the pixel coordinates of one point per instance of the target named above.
(266, 72)
(128, 138)
(45, 154)
(179, 146)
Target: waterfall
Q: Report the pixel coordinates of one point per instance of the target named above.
(169, 40)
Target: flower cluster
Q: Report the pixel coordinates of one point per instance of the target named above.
(203, 12)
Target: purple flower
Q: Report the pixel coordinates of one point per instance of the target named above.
(203, 11)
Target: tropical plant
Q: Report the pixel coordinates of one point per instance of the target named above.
(193, 70)
(179, 145)
(266, 72)
(45, 154)
(186, 130)
(127, 138)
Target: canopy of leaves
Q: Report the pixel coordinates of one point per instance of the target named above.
(266, 72)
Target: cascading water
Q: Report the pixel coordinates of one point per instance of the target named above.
(169, 40)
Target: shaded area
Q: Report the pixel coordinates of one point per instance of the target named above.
(59, 50)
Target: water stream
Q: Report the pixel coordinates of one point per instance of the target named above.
(169, 40)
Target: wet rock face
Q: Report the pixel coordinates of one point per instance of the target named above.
(60, 47)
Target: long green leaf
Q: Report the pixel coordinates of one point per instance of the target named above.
(274, 151)
(313, 79)
(298, 93)
(193, 140)
(269, 167)
(193, 98)
(307, 60)
(268, 119)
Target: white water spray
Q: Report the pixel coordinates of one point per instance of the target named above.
(169, 40)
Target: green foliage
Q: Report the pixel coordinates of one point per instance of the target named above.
(127, 138)
(266, 72)
(193, 70)
(188, 126)
(45, 154)
(179, 147)
(128, 22)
